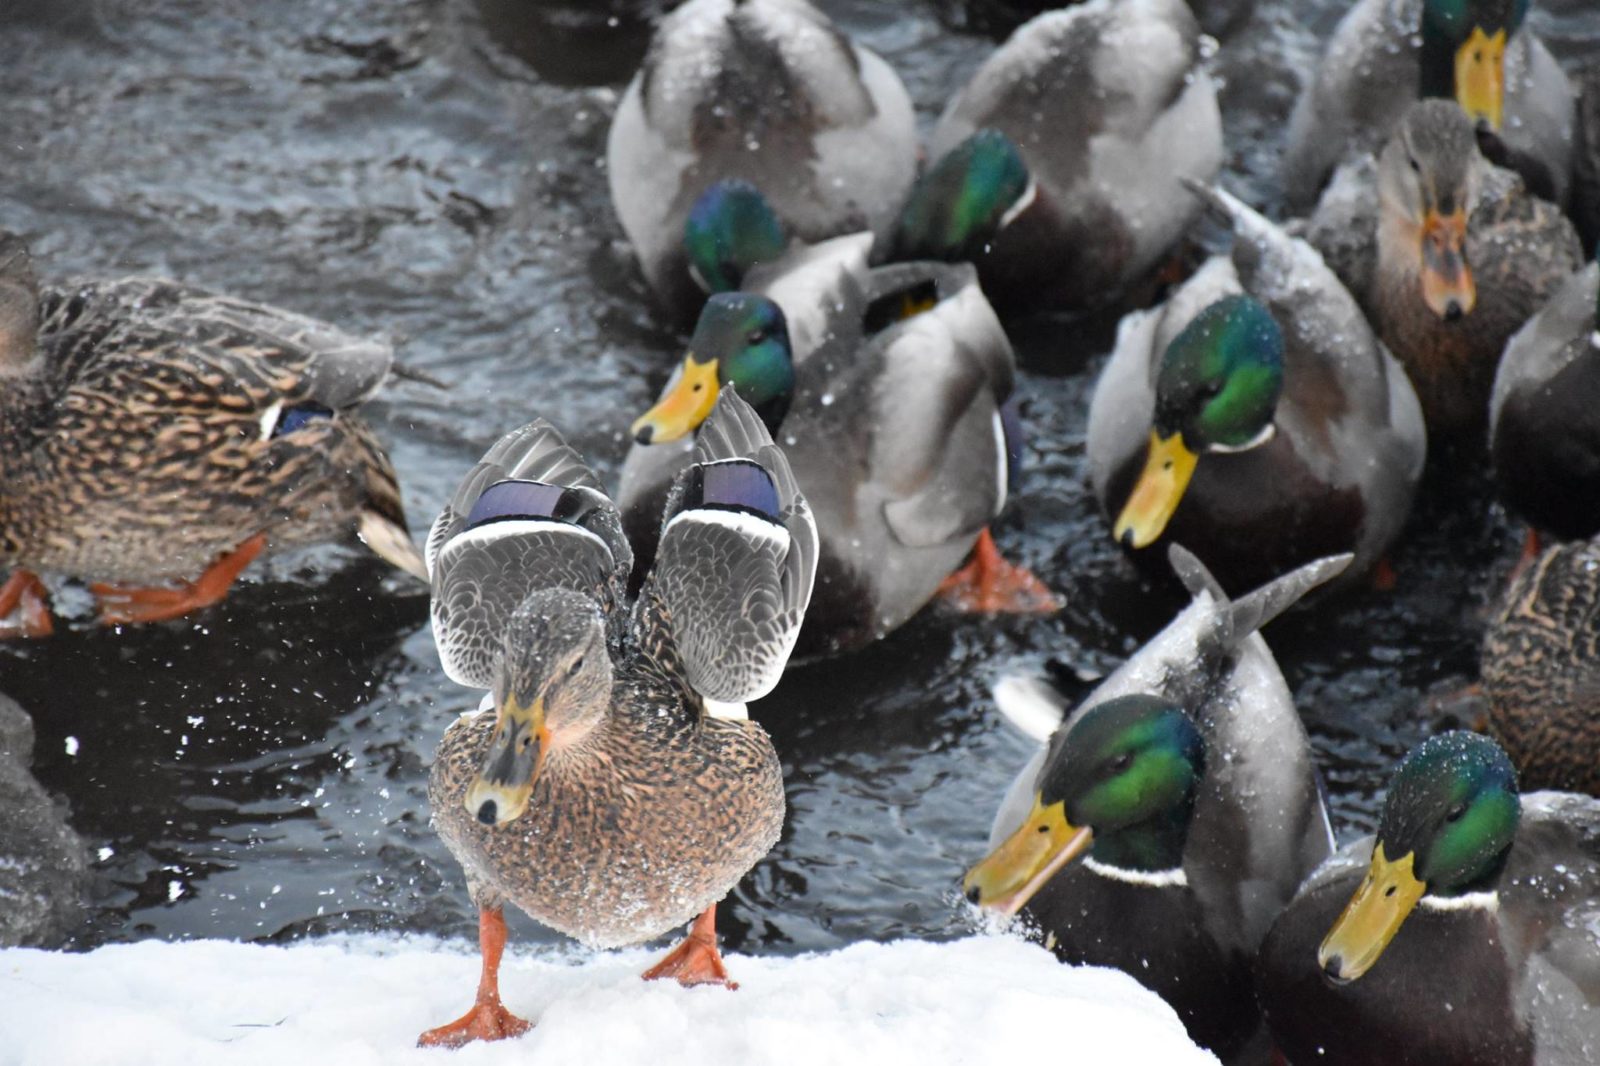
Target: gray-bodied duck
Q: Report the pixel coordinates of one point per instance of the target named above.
(155, 438)
(615, 789)
(1466, 933)
(1167, 820)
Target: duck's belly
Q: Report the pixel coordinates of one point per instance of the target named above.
(627, 843)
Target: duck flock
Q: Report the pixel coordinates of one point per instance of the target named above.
(845, 426)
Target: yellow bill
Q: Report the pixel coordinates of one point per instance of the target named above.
(1167, 469)
(1027, 859)
(687, 402)
(1371, 918)
(1447, 284)
(511, 764)
(1480, 76)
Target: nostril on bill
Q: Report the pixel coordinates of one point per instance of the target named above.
(972, 895)
(486, 812)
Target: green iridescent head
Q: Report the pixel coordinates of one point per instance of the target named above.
(1128, 771)
(1463, 53)
(1220, 378)
(955, 209)
(730, 229)
(1454, 804)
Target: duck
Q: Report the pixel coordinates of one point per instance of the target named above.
(1540, 669)
(1586, 157)
(1110, 106)
(886, 387)
(1164, 822)
(1386, 54)
(765, 91)
(1463, 932)
(614, 786)
(1544, 423)
(155, 438)
(1255, 417)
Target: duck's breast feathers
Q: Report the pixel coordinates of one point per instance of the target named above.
(529, 515)
(1550, 915)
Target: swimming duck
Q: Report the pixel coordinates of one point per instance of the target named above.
(156, 438)
(1541, 669)
(886, 393)
(1254, 417)
(1110, 107)
(1184, 784)
(767, 91)
(615, 787)
(1544, 413)
(1465, 933)
(1386, 54)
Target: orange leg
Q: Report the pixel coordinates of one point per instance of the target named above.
(488, 1019)
(122, 605)
(1532, 546)
(988, 584)
(696, 961)
(1384, 577)
(25, 591)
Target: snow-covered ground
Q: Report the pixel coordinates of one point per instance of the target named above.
(353, 1002)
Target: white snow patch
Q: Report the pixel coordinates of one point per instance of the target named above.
(359, 1001)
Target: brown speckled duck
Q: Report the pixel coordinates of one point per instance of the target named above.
(154, 439)
(615, 789)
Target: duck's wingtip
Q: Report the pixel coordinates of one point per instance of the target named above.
(1031, 705)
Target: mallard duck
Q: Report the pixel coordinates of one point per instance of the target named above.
(155, 438)
(767, 91)
(615, 788)
(1467, 933)
(1254, 417)
(1544, 413)
(1386, 54)
(1586, 157)
(885, 386)
(1541, 669)
(1184, 783)
(1110, 106)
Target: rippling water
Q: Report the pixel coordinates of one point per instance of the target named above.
(433, 170)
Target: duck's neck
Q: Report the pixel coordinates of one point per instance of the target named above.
(1149, 847)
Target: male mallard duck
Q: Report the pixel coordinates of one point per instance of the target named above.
(1544, 413)
(1111, 107)
(1541, 669)
(767, 91)
(1254, 417)
(1467, 935)
(885, 386)
(1185, 783)
(605, 792)
(155, 438)
(1385, 54)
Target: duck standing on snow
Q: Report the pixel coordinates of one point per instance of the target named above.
(1254, 417)
(1184, 783)
(1467, 933)
(1110, 106)
(769, 92)
(611, 792)
(155, 438)
(1385, 54)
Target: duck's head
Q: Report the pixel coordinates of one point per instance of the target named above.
(955, 209)
(552, 687)
(19, 303)
(730, 229)
(1427, 179)
(1121, 786)
(1463, 53)
(1447, 824)
(1216, 391)
(740, 340)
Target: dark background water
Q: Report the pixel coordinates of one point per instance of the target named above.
(433, 170)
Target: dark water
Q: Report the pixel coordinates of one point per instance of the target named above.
(434, 170)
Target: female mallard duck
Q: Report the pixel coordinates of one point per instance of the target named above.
(611, 792)
(155, 438)
(1111, 107)
(1385, 54)
(1184, 781)
(885, 386)
(1544, 413)
(767, 91)
(1254, 417)
(1467, 935)
(1541, 669)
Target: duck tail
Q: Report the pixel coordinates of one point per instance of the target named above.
(1250, 612)
(381, 523)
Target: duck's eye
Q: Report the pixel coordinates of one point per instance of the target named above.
(577, 664)
(1121, 762)
(1210, 390)
(1455, 813)
(757, 336)
(1416, 167)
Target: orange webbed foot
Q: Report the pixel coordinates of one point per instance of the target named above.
(990, 585)
(123, 605)
(25, 595)
(696, 961)
(485, 1021)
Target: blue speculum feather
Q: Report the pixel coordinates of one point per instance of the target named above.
(514, 498)
(739, 485)
(300, 415)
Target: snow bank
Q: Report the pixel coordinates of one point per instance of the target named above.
(364, 1000)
